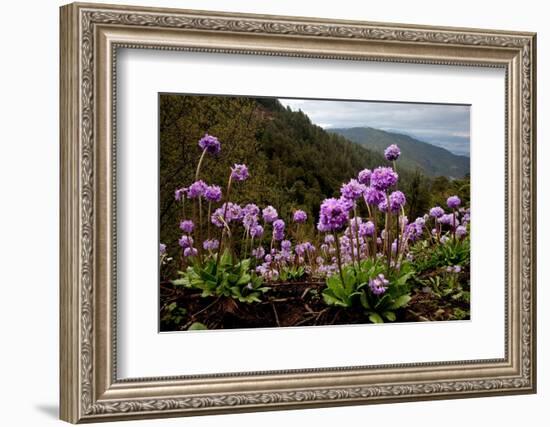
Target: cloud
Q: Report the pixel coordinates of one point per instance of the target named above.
(444, 125)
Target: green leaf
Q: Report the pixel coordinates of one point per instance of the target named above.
(330, 299)
(244, 280)
(390, 315)
(197, 326)
(184, 281)
(364, 300)
(336, 287)
(400, 302)
(375, 318)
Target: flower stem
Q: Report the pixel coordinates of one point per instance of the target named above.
(199, 165)
(357, 237)
(337, 241)
(223, 219)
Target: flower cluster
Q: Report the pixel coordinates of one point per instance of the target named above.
(210, 144)
(366, 222)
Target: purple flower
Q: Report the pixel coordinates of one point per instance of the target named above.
(190, 252)
(373, 196)
(333, 216)
(446, 219)
(364, 176)
(270, 214)
(378, 285)
(453, 202)
(286, 245)
(352, 190)
(461, 231)
(210, 144)
(453, 269)
(162, 249)
(397, 201)
(279, 229)
(187, 226)
(383, 206)
(211, 244)
(366, 229)
(196, 189)
(250, 221)
(213, 193)
(347, 204)
(383, 178)
(299, 216)
(233, 213)
(239, 172)
(436, 212)
(392, 153)
(258, 253)
(186, 241)
(256, 231)
(180, 193)
(217, 218)
(251, 209)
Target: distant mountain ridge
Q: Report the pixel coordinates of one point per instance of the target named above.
(431, 159)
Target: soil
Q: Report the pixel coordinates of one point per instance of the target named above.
(286, 304)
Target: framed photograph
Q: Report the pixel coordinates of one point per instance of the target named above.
(266, 212)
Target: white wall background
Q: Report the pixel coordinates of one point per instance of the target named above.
(29, 170)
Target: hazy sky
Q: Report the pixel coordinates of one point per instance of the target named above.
(447, 126)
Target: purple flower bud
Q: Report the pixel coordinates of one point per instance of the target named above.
(258, 253)
(286, 245)
(366, 229)
(187, 226)
(213, 193)
(251, 209)
(397, 201)
(179, 194)
(378, 285)
(239, 172)
(353, 190)
(461, 231)
(446, 219)
(299, 216)
(334, 215)
(211, 244)
(162, 249)
(270, 214)
(196, 189)
(256, 231)
(453, 202)
(186, 241)
(373, 196)
(436, 212)
(392, 153)
(364, 176)
(249, 221)
(190, 252)
(210, 144)
(383, 178)
(279, 229)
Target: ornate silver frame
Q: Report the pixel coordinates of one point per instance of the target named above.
(90, 36)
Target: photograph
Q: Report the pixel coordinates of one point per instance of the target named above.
(287, 212)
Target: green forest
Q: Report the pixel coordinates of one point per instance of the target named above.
(293, 164)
